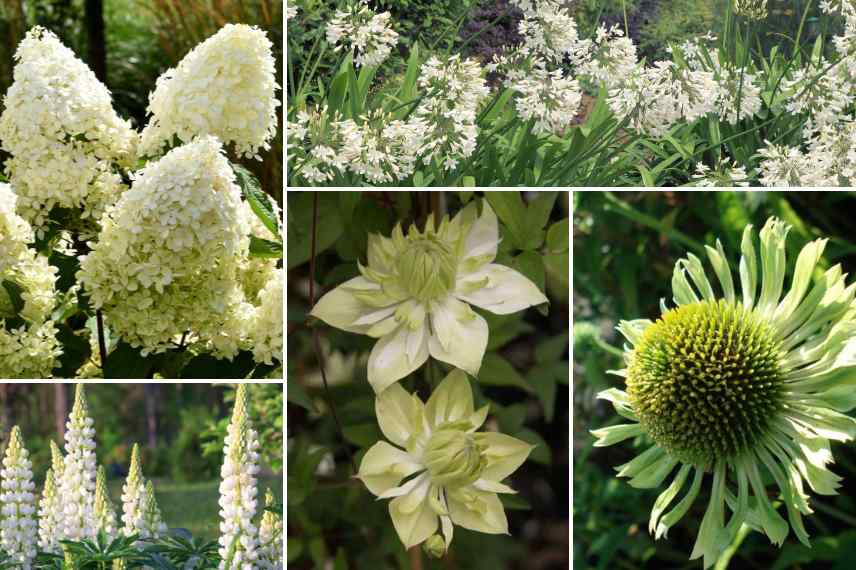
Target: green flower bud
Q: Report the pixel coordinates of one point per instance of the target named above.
(435, 546)
(453, 456)
(427, 267)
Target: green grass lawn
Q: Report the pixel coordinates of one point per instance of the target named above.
(192, 505)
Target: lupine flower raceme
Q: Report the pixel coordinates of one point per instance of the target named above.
(105, 512)
(18, 529)
(270, 537)
(51, 513)
(77, 483)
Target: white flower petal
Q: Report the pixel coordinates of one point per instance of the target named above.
(483, 237)
(460, 335)
(451, 401)
(384, 466)
(505, 292)
(399, 414)
(391, 360)
(478, 510)
(339, 308)
(413, 526)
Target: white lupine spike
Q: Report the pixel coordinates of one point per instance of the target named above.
(270, 538)
(77, 484)
(133, 493)
(18, 536)
(153, 525)
(238, 503)
(105, 513)
(226, 87)
(50, 515)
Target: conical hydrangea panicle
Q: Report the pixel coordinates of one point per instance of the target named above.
(77, 484)
(173, 242)
(105, 512)
(270, 537)
(28, 346)
(18, 536)
(226, 86)
(266, 330)
(62, 132)
(238, 535)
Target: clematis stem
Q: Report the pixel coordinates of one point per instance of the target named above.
(316, 345)
(102, 346)
(415, 558)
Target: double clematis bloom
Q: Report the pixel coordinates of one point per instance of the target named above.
(414, 295)
(453, 473)
(742, 386)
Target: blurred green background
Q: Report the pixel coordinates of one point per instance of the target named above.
(180, 429)
(625, 248)
(333, 521)
(129, 43)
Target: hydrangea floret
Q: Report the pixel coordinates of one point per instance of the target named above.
(66, 141)
(415, 292)
(738, 387)
(18, 530)
(239, 546)
(266, 328)
(77, 483)
(28, 345)
(453, 473)
(226, 87)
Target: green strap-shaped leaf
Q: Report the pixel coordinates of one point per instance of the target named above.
(259, 201)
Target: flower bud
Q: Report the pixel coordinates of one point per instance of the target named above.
(427, 268)
(435, 546)
(453, 456)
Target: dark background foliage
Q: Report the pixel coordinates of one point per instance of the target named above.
(625, 247)
(332, 518)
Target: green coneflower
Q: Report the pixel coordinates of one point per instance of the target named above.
(739, 386)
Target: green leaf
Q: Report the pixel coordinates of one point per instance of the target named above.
(296, 394)
(127, 362)
(347, 203)
(363, 435)
(258, 200)
(207, 366)
(557, 268)
(541, 453)
(537, 216)
(530, 264)
(299, 228)
(551, 350)
(15, 293)
(515, 503)
(544, 381)
(265, 248)
(75, 352)
(497, 371)
(558, 237)
(511, 211)
(67, 266)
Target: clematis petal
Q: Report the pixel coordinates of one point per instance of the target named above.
(505, 291)
(341, 309)
(477, 510)
(413, 526)
(481, 241)
(395, 356)
(504, 454)
(399, 414)
(451, 401)
(460, 335)
(384, 466)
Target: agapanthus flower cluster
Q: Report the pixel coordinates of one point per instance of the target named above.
(829, 159)
(549, 31)
(380, 148)
(359, 30)
(751, 9)
(726, 174)
(168, 254)
(28, 345)
(77, 483)
(607, 58)
(821, 91)
(549, 98)
(18, 530)
(317, 137)
(65, 139)
(270, 537)
(226, 87)
(239, 540)
(266, 328)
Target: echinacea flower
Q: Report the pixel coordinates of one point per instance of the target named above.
(453, 473)
(739, 386)
(17, 519)
(414, 295)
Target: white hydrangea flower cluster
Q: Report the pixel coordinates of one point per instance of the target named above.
(51, 505)
(27, 350)
(829, 159)
(270, 538)
(548, 98)
(727, 174)
(226, 86)
(168, 255)
(359, 30)
(65, 139)
(239, 548)
(18, 531)
(77, 484)
(140, 513)
(266, 330)
(254, 273)
(105, 512)
(453, 89)
(317, 137)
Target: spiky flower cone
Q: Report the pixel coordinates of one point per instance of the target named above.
(18, 534)
(270, 537)
(153, 525)
(238, 535)
(132, 495)
(50, 506)
(77, 484)
(105, 513)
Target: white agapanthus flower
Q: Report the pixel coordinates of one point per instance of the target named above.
(51, 505)
(105, 512)
(820, 91)
(168, 255)
(315, 140)
(829, 159)
(62, 132)
(359, 30)
(77, 484)
(549, 98)
(266, 330)
(239, 548)
(727, 174)
(18, 530)
(414, 295)
(28, 345)
(226, 87)
(607, 58)
(379, 148)
(270, 538)
(751, 9)
(291, 12)
(549, 31)
(454, 473)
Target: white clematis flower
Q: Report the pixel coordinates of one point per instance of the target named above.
(453, 473)
(415, 295)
